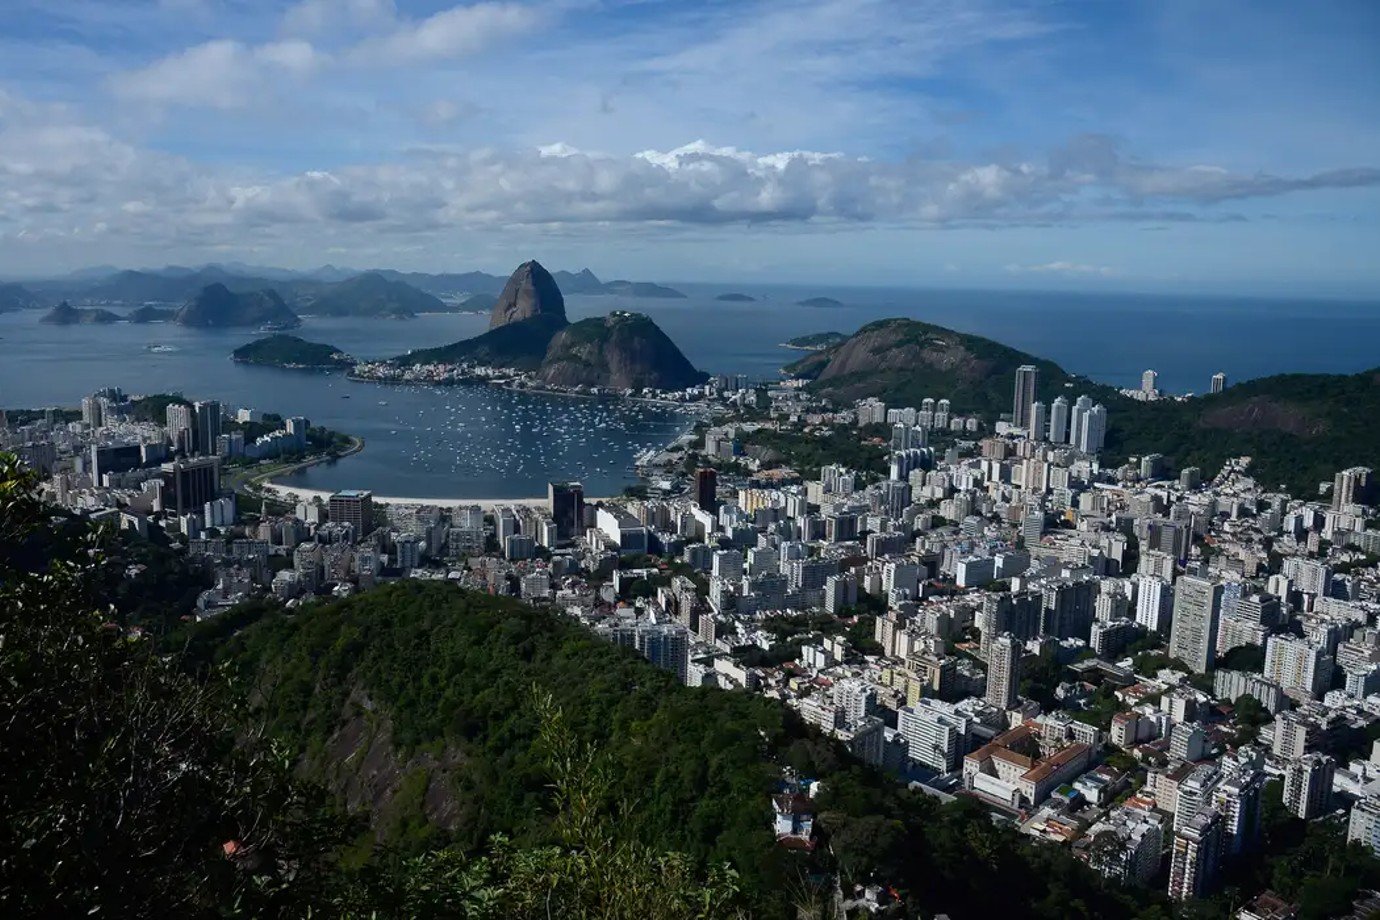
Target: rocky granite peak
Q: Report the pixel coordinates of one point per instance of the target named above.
(530, 292)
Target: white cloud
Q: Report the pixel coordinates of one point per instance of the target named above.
(451, 33)
(316, 18)
(62, 177)
(220, 74)
(1063, 268)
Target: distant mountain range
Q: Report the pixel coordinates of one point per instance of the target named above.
(528, 330)
(327, 290)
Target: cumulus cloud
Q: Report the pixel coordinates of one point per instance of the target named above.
(221, 74)
(59, 176)
(451, 33)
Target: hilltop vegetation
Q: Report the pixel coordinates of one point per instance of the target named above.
(621, 350)
(904, 361)
(290, 351)
(1298, 428)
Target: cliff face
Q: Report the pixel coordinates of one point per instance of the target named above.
(621, 350)
(217, 305)
(530, 292)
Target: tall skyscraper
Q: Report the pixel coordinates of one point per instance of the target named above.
(182, 427)
(354, 507)
(1038, 421)
(1003, 671)
(567, 506)
(1194, 856)
(1193, 634)
(1308, 785)
(1077, 417)
(1059, 421)
(1093, 430)
(1154, 603)
(1351, 487)
(707, 488)
(1027, 381)
(1149, 383)
(189, 484)
(1219, 382)
(207, 416)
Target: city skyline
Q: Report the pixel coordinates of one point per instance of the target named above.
(1001, 145)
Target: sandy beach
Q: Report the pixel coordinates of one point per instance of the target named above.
(488, 504)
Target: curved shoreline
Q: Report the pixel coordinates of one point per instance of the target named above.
(488, 504)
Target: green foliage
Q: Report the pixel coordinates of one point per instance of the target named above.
(1244, 658)
(120, 778)
(806, 453)
(283, 350)
(451, 670)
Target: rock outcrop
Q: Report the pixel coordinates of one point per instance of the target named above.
(530, 292)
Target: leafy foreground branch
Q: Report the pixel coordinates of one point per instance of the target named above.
(130, 788)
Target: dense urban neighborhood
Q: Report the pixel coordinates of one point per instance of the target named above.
(1143, 665)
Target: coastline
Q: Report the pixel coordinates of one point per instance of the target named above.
(488, 504)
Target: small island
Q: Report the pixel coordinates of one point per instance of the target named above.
(735, 297)
(64, 314)
(817, 341)
(288, 351)
(819, 302)
(641, 289)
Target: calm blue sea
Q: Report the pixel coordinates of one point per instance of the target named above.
(485, 443)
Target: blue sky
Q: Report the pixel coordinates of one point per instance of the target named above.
(1213, 146)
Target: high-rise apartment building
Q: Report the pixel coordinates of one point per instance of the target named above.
(1194, 856)
(567, 506)
(1219, 382)
(1351, 487)
(1193, 634)
(1039, 423)
(207, 420)
(181, 424)
(189, 484)
(936, 734)
(354, 507)
(707, 488)
(1003, 671)
(1298, 665)
(1059, 421)
(1027, 382)
(1149, 383)
(1308, 785)
(1154, 603)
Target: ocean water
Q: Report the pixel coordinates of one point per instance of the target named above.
(489, 443)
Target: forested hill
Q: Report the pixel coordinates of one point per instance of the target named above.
(903, 361)
(1299, 429)
(415, 701)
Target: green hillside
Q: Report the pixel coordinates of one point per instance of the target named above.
(904, 361)
(281, 350)
(1300, 429)
(520, 344)
(431, 687)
